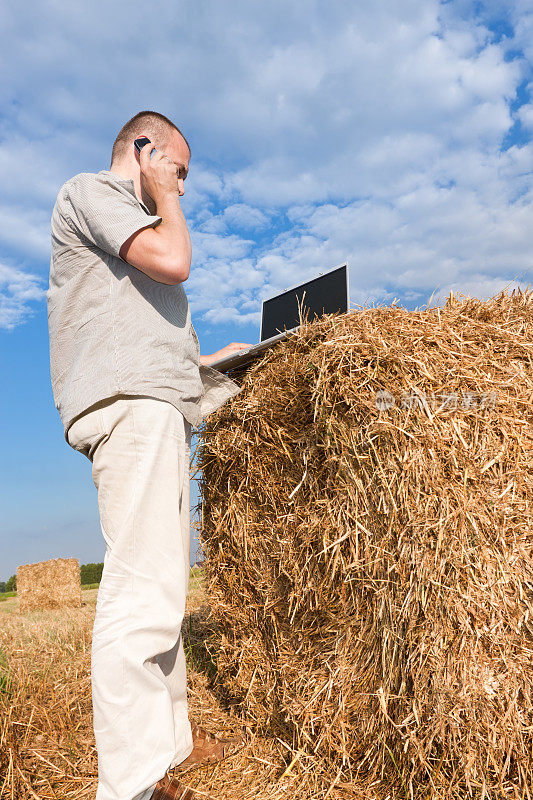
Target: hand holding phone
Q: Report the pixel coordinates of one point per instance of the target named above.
(159, 174)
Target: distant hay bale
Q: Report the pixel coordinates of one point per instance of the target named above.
(49, 584)
(367, 529)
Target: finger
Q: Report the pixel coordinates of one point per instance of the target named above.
(157, 156)
(161, 158)
(144, 155)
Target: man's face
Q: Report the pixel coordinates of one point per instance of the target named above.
(178, 152)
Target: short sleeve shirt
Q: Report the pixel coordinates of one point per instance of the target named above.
(114, 330)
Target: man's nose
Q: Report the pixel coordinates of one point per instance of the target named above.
(181, 187)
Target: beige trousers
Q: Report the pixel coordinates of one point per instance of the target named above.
(140, 450)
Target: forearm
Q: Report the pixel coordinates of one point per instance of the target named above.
(173, 234)
(163, 252)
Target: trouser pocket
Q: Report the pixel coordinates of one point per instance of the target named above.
(86, 432)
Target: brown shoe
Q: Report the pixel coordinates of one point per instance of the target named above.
(210, 748)
(171, 789)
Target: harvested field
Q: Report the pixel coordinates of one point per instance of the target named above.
(49, 584)
(46, 739)
(367, 530)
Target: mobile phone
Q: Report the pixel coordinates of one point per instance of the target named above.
(140, 142)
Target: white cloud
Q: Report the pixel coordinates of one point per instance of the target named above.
(480, 286)
(25, 229)
(238, 215)
(208, 245)
(17, 289)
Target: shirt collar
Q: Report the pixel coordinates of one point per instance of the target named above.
(126, 183)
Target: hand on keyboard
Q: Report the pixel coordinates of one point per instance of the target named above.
(229, 350)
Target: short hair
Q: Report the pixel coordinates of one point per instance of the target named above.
(149, 122)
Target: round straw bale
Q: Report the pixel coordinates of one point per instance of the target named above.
(367, 515)
(49, 584)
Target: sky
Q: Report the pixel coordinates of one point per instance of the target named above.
(395, 135)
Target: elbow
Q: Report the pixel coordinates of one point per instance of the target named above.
(177, 271)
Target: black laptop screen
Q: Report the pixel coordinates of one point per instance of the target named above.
(326, 294)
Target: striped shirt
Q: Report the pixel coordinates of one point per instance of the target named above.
(114, 330)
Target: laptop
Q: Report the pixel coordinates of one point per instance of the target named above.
(327, 293)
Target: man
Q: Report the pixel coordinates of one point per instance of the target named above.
(128, 382)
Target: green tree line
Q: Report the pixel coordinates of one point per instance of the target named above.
(91, 573)
(10, 585)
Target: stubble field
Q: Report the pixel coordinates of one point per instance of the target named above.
(47, 749)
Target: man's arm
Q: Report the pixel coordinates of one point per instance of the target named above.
(163, 252)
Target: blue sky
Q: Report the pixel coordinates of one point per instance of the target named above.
(396, 135)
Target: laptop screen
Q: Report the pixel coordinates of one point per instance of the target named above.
(326, 294)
